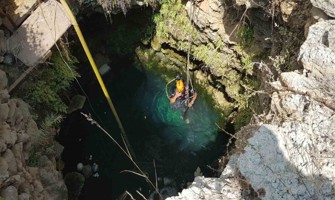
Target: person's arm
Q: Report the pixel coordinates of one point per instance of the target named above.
(190, 104)
(174, 98)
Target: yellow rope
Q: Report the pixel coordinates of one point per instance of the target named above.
(96, 71)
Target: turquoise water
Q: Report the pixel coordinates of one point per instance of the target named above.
(155, 133)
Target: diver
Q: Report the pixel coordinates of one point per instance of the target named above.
(182, 98)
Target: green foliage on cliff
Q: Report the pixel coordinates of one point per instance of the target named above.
(246, 35)
(45, 89)
(172, 18)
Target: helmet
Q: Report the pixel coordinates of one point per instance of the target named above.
(180, 85)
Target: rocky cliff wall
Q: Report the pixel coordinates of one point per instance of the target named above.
(25, 171)
(287, 154)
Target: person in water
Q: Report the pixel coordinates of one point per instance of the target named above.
(182, 97)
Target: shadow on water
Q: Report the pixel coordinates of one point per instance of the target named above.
(154, 130)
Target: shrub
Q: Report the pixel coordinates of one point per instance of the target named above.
(45, 88)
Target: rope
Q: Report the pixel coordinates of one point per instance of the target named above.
(96, 72)
(68, 66)
(166, 88)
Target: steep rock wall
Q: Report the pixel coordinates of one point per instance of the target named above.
(25, 172)
(287, 154)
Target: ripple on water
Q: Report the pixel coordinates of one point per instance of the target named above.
(192, 134)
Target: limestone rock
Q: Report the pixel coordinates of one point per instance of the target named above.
(58, 149)
(47, 177)
(3, 47)
(10, 159)
(3, 169)
(22, 137)
(3, 80)
(251, 3)
(24, 196)
(318, 51)
(10, 193)
(326, 5)
(225, 187)
(12, 109)
(18, 153)
(4, 96)
(4, 110)
(208, 18)
(7, 136)
(286, 7)
(57, 191)
(38, 187)
(273, 163)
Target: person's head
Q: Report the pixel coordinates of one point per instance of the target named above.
(179, 85)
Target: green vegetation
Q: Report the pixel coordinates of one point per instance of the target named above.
(246, 36)
(172, 18)
(47, 87)
(33, 160)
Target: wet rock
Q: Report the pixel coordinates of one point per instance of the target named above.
(87, 171)
(74, 182)
(101, 59)
(77, 103)
(104, 69)
(10, 193)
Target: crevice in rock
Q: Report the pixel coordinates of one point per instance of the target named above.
(183, 54)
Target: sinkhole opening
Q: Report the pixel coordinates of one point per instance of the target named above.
(167, 148)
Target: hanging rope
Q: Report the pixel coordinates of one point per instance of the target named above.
(97, 74)
(188, 71)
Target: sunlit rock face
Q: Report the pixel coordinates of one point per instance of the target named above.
(290, 155)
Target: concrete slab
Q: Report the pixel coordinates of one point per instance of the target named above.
(17, 11)
(34, 38)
